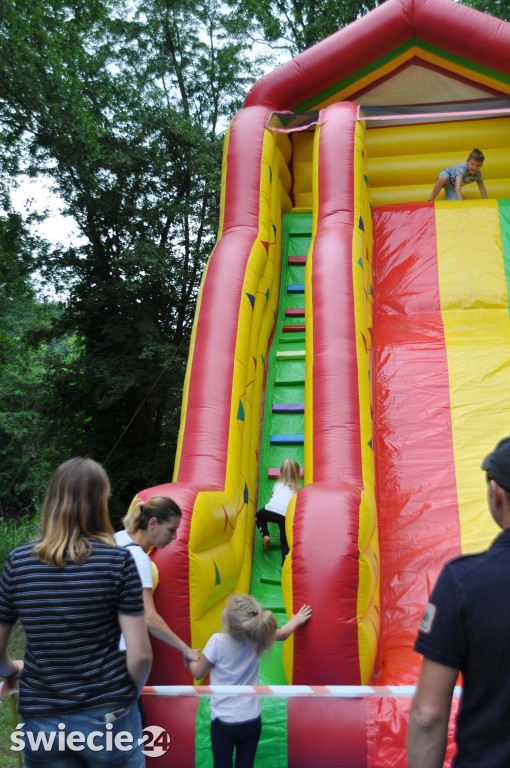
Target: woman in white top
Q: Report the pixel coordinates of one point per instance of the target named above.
(233, 658)
(276, 508)
(153, 524)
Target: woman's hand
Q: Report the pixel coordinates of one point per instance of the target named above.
(190, 654)
(19, 664)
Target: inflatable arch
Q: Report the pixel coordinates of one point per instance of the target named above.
(347, 323)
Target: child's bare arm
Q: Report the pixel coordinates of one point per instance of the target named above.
(199, 668)
(304, 613)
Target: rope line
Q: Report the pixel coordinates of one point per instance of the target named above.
(290, 691)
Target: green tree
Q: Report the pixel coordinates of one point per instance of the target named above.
(297, 25)
(27, 450)
(122, 105)
(498, 8)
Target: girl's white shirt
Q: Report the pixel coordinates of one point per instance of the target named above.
(233, 662)
(280, 497)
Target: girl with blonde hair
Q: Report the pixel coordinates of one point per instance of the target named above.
(233, 658)
(74, 591)
(275, 509)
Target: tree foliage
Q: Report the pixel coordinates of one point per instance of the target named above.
(24, 322)
(299, 24)
(122, 106)
(498, 8)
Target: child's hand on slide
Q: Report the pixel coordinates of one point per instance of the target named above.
(303, 614)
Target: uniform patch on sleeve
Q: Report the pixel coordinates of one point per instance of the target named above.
(428, 618)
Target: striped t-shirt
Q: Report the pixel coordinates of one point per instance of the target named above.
(69, 615)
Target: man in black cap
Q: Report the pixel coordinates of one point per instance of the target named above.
(466, 628)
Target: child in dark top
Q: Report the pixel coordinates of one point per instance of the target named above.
(453, 178)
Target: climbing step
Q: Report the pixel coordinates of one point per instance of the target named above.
(296, 381)
(291, 354)
(296, 260)
(292, 338)
(287, 439)
(296, 288)
(268, 580)
(273, 472)
(288, 408)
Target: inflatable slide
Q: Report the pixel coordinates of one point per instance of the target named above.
(347, 323)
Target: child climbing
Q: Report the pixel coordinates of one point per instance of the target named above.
(453, 178)
(233, 658)
(276, 508)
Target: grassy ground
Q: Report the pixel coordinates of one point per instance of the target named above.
(10, 759)
(14, 532)
(17, 531)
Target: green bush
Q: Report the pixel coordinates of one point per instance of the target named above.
(16, 531)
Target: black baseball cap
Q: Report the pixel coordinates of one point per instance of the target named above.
(497, 463)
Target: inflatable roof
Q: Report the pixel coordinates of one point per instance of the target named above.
(403, 52)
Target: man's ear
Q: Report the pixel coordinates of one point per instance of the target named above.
(496, 492)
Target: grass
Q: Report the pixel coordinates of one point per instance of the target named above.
(17, 531)
(10, 759)
(14, 532)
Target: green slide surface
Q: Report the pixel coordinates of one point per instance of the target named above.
(285, 386)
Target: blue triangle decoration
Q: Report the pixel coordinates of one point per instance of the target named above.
(240, 412)
(217, 578)
(251, 298)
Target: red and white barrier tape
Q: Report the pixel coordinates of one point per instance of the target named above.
(279, 691)
(289, 691)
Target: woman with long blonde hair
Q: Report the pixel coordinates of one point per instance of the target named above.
(275, 509)
(74, 592)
